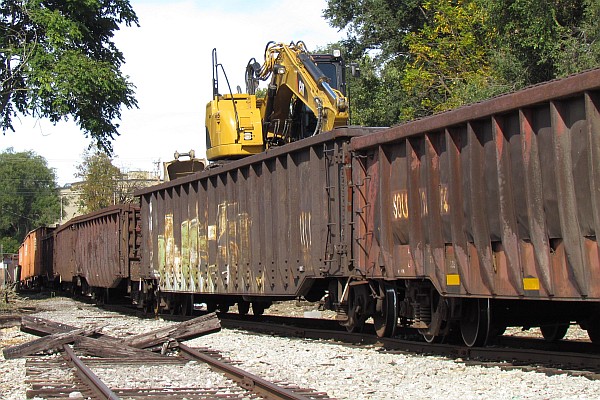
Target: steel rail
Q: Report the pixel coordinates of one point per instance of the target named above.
(245, 379)
(572, 356)
(88, 376)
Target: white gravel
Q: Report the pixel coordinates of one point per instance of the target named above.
(343, 372)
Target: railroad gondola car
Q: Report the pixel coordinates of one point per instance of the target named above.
(464, 222)
(459, 224)
(97, 253)
(33, 266)
(263, 228)
(485, 216)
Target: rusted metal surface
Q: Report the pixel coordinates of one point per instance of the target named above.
(99, 247)
(501, 198)
(263, 225)
(48, 255)
(31, 255)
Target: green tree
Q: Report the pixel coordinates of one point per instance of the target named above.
(425, 56)
(58, 61)
(377, 31)
(375, 24)
(374, 96)
(536, 41)
(100, 181)
(28, 196)
(450, 59)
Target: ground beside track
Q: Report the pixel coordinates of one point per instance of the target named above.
(342, 371)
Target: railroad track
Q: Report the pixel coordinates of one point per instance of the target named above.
(70, 376)
(88, 370)
(575, 358)
(563, 357)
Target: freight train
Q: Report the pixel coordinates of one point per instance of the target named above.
(464, 222)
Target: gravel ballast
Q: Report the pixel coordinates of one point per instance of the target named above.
(344, 372)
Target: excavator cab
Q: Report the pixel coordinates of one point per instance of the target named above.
(305, 96)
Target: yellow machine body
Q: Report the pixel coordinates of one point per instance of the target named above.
(234, 128)
(299, 103)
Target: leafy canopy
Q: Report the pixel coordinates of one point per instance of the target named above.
(29, 196)
(375, 24)
(58, 61)
(450, 59)
(539, 40)
(424, 56)
(99, 181)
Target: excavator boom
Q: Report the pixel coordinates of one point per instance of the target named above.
(301, 101)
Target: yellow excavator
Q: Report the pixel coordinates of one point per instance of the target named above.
(305, 96)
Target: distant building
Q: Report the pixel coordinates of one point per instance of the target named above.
(69, 202)
(70, 194)
(8, 268)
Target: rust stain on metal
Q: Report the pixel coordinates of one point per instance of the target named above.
(252, 226)
(500, 196)
(99, 248)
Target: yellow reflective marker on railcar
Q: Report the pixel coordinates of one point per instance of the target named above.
(531, 284)
(453, 280)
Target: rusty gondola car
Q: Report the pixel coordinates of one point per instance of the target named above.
(34, 272)
(97, 253)
(466, 221)
(475, 210)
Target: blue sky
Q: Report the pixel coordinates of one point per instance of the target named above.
(169, 60)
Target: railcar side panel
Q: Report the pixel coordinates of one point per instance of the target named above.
(100, 247)
(266, 225)
(497, 199)
(31, 256)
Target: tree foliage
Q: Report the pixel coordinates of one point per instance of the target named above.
(424, 56)
(541, 40)
(29, 196)
(375, 24)
(450, 59)
(100, 178)
(103, 184)
(58, 61)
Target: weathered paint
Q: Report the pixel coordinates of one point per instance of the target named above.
(502, 197)
(258, 226)
(99, 247)
(32, 255)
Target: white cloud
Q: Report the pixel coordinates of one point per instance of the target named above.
(169, 60)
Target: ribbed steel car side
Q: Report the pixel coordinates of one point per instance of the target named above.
(99, 248)
(266, 225)
(31, 257)
(497, 199)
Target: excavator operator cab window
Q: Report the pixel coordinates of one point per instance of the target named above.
(333, 68)
(330, 72)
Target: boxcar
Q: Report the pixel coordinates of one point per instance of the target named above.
(34, 272)
(98, 251)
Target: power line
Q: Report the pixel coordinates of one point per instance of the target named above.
(19, 215)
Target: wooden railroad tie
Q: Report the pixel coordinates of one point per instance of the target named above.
(91, 341)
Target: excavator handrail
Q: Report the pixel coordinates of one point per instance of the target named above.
(216, 94)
